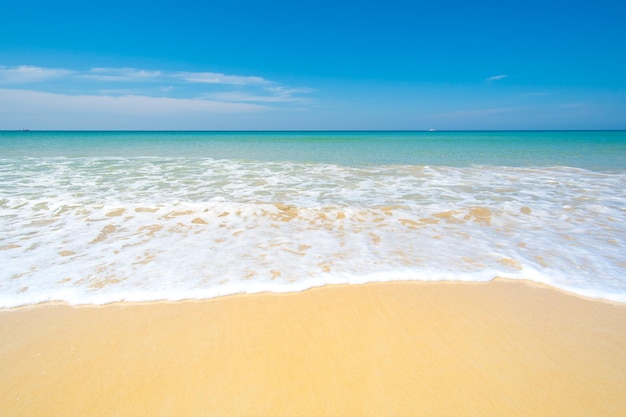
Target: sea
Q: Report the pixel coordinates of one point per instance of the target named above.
(101, 217)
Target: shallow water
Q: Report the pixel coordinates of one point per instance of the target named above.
(98, 217)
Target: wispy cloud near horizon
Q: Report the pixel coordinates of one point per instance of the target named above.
(23, 74)
(121, 74)
(218, 78)
(497, 77)
(129, 103)
(195, 86)
(277, 95)
(42, 110)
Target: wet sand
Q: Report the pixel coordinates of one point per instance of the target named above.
(394, 349)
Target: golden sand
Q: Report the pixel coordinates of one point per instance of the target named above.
(395, 349)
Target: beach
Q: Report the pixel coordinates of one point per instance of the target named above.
(312, 273)
(399, 348)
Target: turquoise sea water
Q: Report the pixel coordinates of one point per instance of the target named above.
(97, 217)
(602, 150)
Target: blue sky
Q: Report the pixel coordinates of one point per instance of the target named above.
(208, 65)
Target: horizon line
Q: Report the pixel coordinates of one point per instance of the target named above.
(307, 130)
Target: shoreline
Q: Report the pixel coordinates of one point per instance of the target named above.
(270, 292)
(502, 347)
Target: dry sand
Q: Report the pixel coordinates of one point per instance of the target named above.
(394, 349)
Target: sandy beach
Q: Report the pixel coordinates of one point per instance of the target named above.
(393, 349)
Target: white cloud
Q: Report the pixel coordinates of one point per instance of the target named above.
(288, 92)
(121, 74)
(88, 98)
(115, 92)
(30, 74)
(267, 95)
(27, 73)
(115, 104)
(497, 77)
(244, 97)
(218, 78)
(37, 110)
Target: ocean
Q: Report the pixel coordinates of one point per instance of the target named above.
(101, 217)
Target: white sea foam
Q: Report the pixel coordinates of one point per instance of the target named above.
(99, 230)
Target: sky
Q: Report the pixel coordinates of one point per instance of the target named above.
(312, 65)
